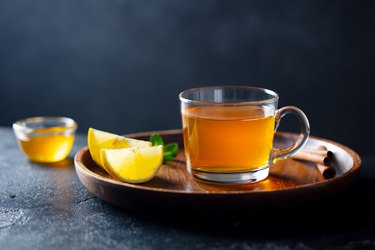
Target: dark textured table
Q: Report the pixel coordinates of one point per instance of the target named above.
(46, 207)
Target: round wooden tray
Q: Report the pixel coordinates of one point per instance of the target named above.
(291, 182)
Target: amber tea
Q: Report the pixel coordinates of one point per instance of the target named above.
(228, 132)
(228, 138)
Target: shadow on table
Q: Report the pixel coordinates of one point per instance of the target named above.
(66, 163)
(347, 212)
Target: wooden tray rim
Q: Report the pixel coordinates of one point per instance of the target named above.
(79, 166)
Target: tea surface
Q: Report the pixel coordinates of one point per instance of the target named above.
(224, 139)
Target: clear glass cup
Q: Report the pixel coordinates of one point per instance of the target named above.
(228, 132)
(45, 139)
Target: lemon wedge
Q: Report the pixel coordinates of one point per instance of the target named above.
(97, 140)
(134, 165)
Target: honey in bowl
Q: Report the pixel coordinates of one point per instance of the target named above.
(45, 139)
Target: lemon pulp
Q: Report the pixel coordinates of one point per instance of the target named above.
(134, 165)
(97, 140)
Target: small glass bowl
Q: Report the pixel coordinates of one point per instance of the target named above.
(45, 139)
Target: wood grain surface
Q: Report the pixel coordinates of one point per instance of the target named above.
(290, 182)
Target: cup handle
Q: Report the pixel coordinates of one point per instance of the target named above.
(282, 153)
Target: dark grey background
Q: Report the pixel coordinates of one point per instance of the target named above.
(119, 65)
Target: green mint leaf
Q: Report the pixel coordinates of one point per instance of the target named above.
(156, 140)
(168, 156)
(171, 148)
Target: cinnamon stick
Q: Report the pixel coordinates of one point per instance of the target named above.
(327, 171)
(321, 150)
(322, 159)
(321, 156)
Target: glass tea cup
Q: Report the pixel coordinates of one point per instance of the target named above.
(228, 132)
(45, 139)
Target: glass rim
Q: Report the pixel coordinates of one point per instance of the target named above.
(67, 124)
(272, 93)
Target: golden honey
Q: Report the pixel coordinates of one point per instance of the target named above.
(47, 144)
